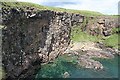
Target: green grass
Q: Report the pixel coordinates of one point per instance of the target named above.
(7, 0)
(115, 16)
(39, 7)
(21, 5)
(2, 73)
(1, 26)
(112, 41)
(77, 35)
(116, 30)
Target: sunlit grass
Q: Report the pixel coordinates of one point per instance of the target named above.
(77, 35)
(112, 41)
(40, 7)
(2, 73)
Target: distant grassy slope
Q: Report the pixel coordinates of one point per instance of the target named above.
(39, 7)
(8, 0)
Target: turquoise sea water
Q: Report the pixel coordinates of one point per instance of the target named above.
(110, 70)
(56, 70)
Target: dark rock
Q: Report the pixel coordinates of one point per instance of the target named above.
(33, 37)
(106, 33)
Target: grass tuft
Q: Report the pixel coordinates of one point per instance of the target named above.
(77, 35)
(112, 41)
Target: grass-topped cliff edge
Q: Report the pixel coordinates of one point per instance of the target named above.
(40, 7)
(80, 36)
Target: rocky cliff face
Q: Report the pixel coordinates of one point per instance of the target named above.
(101, 25)
(33, 37)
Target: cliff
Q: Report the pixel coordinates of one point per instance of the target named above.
(32, 36)
(100, 25)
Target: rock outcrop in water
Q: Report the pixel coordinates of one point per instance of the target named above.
(31, 37)
(86, 52)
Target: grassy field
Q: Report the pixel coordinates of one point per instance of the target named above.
(8, 0)
(2, 74)
(77, 35)
(112, 41)
(40, 7)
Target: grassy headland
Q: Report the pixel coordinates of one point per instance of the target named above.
(40, 7)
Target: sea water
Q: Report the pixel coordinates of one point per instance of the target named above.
(110, 70)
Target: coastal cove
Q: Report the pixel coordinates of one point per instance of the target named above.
(110, 70)
(46, 42)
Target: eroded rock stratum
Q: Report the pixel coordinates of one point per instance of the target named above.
(31, 37)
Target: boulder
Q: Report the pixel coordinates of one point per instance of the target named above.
(89, 63)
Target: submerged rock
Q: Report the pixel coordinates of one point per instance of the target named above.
(86, 62)
(66, 75)
(86, 51)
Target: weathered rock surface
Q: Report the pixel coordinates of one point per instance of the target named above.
(33, 37)
(101, 25)
(86, 62)
(86, 51)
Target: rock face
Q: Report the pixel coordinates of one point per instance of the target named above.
(101, 25)
(32, 37)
